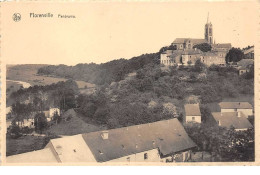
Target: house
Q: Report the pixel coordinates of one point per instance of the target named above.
(190, 56)
(180, 57)
(51, 112)
(237, 120)
(209, 58)
(192, 113)
(249, 52)
(221, 47)
(244, 107)
(244, 65)
(160, 141)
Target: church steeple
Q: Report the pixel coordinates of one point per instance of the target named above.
(209, 31)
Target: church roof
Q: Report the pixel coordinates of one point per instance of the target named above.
(193, 40)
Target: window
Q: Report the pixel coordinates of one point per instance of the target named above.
(145, 156)
(193, 118)
(128, 159)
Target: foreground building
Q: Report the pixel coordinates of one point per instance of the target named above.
(160, 141)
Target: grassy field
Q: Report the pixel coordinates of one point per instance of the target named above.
(28, 73)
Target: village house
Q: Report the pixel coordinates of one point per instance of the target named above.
(237, 120)
(192, 113)
(216, 58)
(221, 47)
(249, 52)
(244, 65)
(51, 112)
(162, 141)
(244, 107)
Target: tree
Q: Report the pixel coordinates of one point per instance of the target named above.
(204, 47)
(21, 111)
(199, 66)
(40, 122)
(234, 55)
(56, 117)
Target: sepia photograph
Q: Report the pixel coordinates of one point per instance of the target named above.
(130, 83)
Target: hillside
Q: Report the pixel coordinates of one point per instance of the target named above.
(100, 74)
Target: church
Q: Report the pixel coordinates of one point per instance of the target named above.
(185, 53)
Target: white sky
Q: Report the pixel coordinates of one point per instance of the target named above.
(105, 31)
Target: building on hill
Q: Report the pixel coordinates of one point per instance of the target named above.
(160, 141)
(187, 43)
(221, 47)
(209, 58)
(192, 113)
(249, 52)
(185, 52)
(244, 107)
(237, 120)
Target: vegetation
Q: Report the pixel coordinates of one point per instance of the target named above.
(234, 55)
(225, 145)
(115, 70)
(204, 47)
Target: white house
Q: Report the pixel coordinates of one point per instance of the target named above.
(192, 113)
(244, 107)
(160, 141)
(50, 113)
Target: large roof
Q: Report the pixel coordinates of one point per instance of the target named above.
(168, 135)
(229, 119)
(235, 105)
(192, 109)
(40, 156)
(191, 52)
(71, 149)
(193, 40)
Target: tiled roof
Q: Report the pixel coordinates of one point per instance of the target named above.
(193, 40)
(192, 109)
(168, 136)
(235, 105)
(71, 149)
(191, 52)
(245, 62)
(229, 119)
(222, 45)
(40, 156)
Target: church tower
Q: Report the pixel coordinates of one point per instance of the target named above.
(209, 31)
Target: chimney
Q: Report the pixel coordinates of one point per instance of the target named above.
(238, 114)
(104, 135)
(219, 124)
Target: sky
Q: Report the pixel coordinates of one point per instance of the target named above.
(102, 32)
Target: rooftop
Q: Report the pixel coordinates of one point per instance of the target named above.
(192, 109)
(40, 156)
(235, 105)
(229, 119)
(192, 40)
(168, 136)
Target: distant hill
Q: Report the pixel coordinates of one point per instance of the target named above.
(100, 74)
